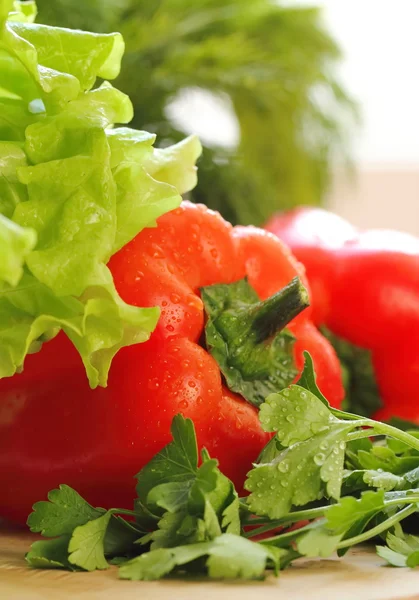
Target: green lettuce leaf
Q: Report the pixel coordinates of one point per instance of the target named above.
(143, 191)
(20, 11)
(74, 189)
(15, 244)
(91, 55)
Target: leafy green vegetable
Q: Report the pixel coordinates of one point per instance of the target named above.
(353, 513)
(50, 554)
(176, 463)
(229, 557)
(306, 415)
(64, 511)
(148, 180)
(308, 464)
(231, 515)
(247, 338)
(15, 244)
(191, 503)
(401, 551)
(121, 536)
(307, 379)
(82, 54)
(383, 480)
(86, 546)
(318, 542)
(189, 519)
(346, 522)
(194, 503)
(384, 458)
(364, 479)
(314, 454)
(12, 191)
(73, 190)
(85, 533)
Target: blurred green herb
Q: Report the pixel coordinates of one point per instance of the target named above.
(274, 64)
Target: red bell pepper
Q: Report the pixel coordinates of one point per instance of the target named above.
(365, 287)
(54, 429)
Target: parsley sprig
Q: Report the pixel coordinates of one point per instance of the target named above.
(321, 473)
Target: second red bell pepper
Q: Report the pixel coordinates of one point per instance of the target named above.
(54, 429)
(365, 287)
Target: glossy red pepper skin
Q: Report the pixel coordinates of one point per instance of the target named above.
(54, 429)
(365, 289)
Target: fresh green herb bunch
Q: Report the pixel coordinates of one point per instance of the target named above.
(275, 64)
(320, 473)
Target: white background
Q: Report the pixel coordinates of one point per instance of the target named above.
(380, 41)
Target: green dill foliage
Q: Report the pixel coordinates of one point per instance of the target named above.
(274, 64)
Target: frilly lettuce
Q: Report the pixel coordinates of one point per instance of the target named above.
(74, 189)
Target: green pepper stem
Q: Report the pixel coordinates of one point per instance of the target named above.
(274, 313)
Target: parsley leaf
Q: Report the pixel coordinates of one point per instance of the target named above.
(382, 457)
(64, 511)
(86, 546)
(192, 504)
(401, 550)
(359, 480)
(195, 513)
(205, 482)
(86, 533)
(315, 455)
(212, 525)
(229, 557)
(411, 477)
(297, 475)
(272, 449)
(350, 511)
(120, 537)
(383, 480)
(344, 520)
(177, 462)
(395, 559)
(169, 496)
(318, 542)
(231, 515)
(50, 554)
(307, 379)
(174, 529)
(233, 556)
(205, 508)
(295, 414)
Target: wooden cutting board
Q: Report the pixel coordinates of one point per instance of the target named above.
(359, 576)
